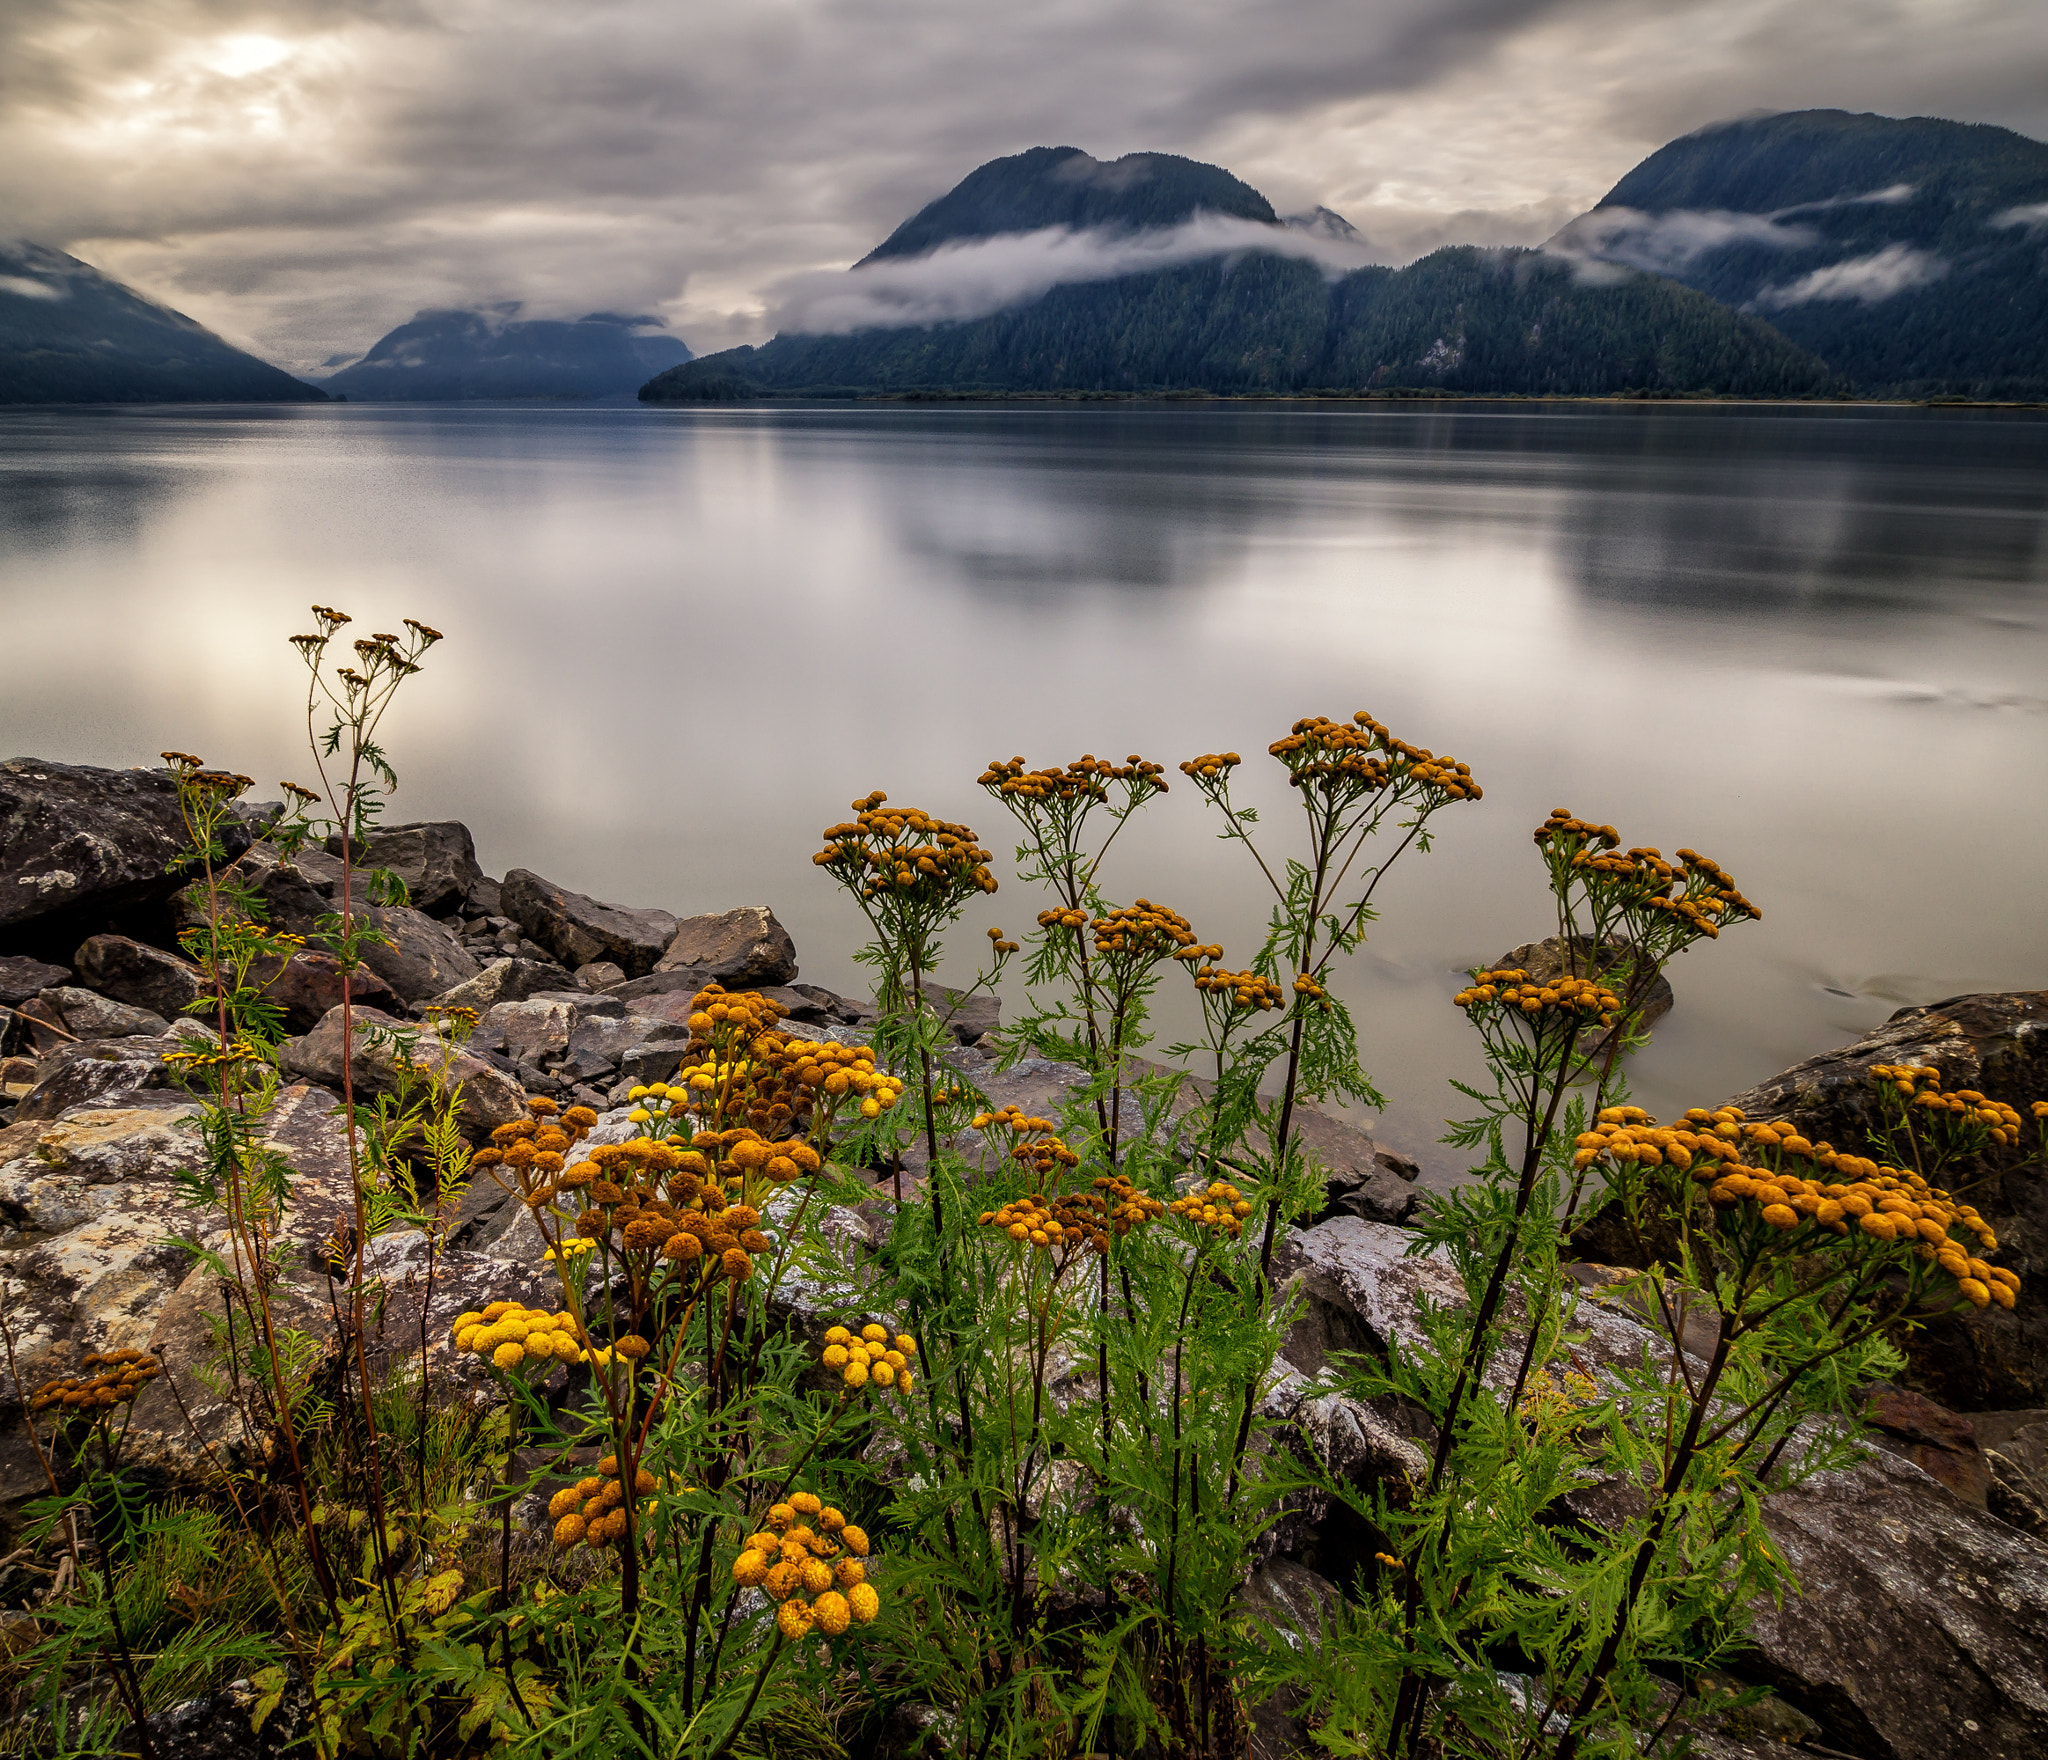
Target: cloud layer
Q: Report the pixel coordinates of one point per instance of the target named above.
(305, 174)
(972, 279)
(1895, 269)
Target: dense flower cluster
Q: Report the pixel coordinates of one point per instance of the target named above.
(1112, 1206)
(1752, 1172)
(1219, 1207)
(872, 1358)
(1692, 899)
(534, 1149)
(507, 1336)
(1086, 779)
(1142, 932)
(1514, 991)
(1245, 990)
(593, 1511)
(1210, 766)
(118, 1376)
(1919, 1085)
(904, 850)
(807, 1557)
(1361, 756)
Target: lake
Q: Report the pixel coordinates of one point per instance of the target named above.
(1810, 642)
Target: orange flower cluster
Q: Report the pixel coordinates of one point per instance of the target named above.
(1362, 755)
(808, 1558)
(903, 851)
(871, 1359)
(1113, 1206)
(534, 1150)
(1219, 1207)
(1513, 992)
(119, 1377)
(1752, 1171)
(1246, 990)
(1210, 766)
(1142, 932)
(1919, 1084)
(1062, 918)
(1696, 896)
(1086, 779)
(593, 1511)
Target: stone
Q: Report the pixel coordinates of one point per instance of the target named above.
(291, 898)
(78, 841)
(21, 977)
(489, 1096)
(1996, 1043)
(107, 1072)
(577, 930)
(600, 974)
(968, 1016)
(741, 948)
(85, 1014)
(485, 898)
(538, 1029)
(1284, 1603)
(421, 959)
(1381, 1196)
(308, 984)
(653, 1061)
(133, 972)
(1941, 1443)
(436, 859)
(505, 980)
(599, 1042)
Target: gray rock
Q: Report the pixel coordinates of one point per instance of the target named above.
(600, 974)
(422, 958)
(1284, 1603)
(132, 972)
(1382, 1196)
(653, 1061)
(740, 948)
(485, 898)
(538, 1029)
(21, 977)
(968, 1016)
(436, 859)
(88, 1015)
(505, 980)
(77, 839)
(308, 984)
(489, 1097)
(105, 1072)
(599, 1043)
(577, 930)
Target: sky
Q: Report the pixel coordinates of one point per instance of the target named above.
(303, 176)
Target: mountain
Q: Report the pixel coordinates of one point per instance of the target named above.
(1063, 186)
(69, 334)
(1233, 316)
(447, 356)
(1911, 255)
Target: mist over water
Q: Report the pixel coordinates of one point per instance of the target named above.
(1812, 643)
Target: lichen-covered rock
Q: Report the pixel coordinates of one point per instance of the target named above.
(105, 1072)
(741, 948)
(577, 930)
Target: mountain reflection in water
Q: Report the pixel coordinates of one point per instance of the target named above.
(1807, 641)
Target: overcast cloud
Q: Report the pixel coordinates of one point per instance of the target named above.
(304, 174)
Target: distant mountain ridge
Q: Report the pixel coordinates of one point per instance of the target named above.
(1244, 319)
(1063, 186)
(453, 356)
(1911, 254)
(69, 334)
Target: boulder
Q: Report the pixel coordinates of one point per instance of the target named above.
(968, 1016)
(577, 930)
(420, 957)
(85, 1014)
(1997, 1044)
(78, 841)
(485, 898)
(21, 977)
(107, 1072)
(489, 1096)
(436, 859)
(1284, 1603)
(599, 1044)
(308, 984)
(538, 1029)
(133, 972)
(1918, 1614)
(600, 974)
(741, 948)
(505, 980)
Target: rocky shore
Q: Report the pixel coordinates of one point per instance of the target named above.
(1923, 1621)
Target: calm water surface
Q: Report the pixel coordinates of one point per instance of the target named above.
(1808, 642)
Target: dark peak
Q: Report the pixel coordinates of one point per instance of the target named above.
(1064, 186)
(1764, 164)
(1323, 223)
